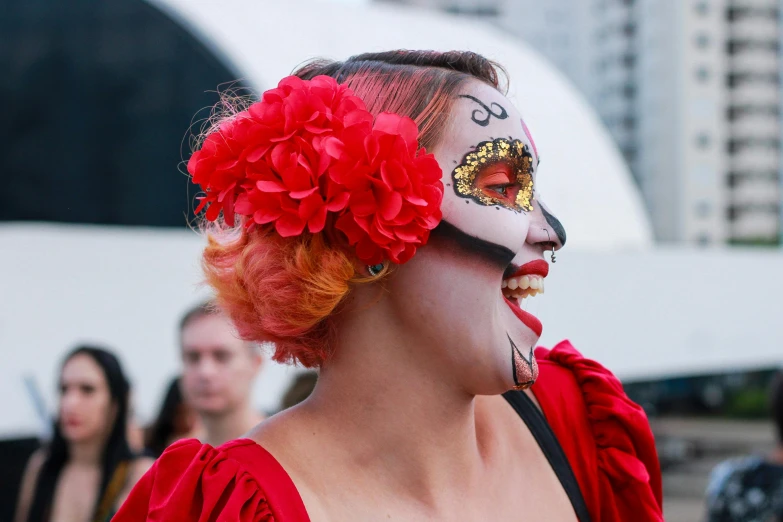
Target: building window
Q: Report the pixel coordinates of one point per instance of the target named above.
(702, 73)
(702, 41)
(704, 239)
(702, 8)
(703, 140)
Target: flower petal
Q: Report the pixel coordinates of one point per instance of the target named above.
(270, 186)
(390, 205)
(289, 225)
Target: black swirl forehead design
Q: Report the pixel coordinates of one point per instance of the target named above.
(487, 153)
(483, 115)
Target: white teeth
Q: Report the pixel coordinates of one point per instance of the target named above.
(525, 286)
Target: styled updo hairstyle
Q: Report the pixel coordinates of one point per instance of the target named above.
(288, 289)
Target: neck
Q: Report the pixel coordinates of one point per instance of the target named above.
(394, 414)
(85, 453)
(219, 428)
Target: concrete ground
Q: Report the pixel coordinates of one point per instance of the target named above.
(690, 448)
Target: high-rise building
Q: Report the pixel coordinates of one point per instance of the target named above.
(689, 89)
(681, 122)
(753, 103)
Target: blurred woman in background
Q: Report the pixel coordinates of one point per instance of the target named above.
(88, 469)
(175, 421)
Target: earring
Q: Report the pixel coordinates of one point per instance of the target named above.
(553, 246)
(376, 270)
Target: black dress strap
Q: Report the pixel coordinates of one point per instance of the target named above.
(539, 427)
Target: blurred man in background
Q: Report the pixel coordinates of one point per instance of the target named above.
(218, 373)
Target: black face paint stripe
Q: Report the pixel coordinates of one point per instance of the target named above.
(556, 225)
(497, 254)
(477, 115)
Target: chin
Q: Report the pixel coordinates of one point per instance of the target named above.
(77, 435)
(210, 406)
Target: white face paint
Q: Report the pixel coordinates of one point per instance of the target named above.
(483, 123)
(458, 289)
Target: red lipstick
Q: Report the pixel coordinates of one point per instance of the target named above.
(530, 320)
(538, 267)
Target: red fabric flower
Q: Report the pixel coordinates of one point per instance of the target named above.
(310, 148)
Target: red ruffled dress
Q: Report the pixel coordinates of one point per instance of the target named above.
(605, 436)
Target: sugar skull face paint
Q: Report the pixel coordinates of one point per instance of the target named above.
(498, 172)
(465, 289)
(525, 368)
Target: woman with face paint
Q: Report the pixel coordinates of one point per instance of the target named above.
(378, 218)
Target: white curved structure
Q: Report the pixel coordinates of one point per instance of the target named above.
(583, 177)
(126, 288)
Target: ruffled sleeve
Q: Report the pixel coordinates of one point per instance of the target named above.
(605, 436)
(194, 482)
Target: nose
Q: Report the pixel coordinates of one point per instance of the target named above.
(69, 400)
(206, 368)
(546, 231)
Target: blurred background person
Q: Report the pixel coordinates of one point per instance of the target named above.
(219, 370)
(751, 488)
(176, 420)
(88, 469)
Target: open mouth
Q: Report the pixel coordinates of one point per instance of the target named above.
(523, 283)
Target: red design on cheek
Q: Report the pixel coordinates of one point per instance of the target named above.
(530, 137)
(525, 368)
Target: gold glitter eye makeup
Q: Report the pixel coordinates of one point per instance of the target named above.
(498, 172)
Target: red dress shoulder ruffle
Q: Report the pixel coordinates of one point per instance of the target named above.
(605, 436)
(193, 482)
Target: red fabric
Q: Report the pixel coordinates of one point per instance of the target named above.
(193, 482)
(605, 436)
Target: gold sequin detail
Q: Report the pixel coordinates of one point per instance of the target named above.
(488, 153)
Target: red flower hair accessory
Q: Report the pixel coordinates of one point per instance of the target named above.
(309, 149)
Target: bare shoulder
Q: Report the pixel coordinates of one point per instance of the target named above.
(139, 466)
(291, 439)
(29, 479)
(274, 429)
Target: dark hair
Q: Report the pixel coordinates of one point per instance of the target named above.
(300, 389)
(208, 307)
(776, 403)
(115, 452)
(163, 428)
(419, 84)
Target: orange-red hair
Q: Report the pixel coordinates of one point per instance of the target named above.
(287, 289)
